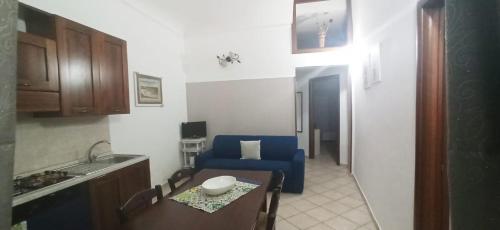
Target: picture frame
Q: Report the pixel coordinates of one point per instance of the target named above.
(321, 25)
(148, 90)
(299, 111)
(372, 74)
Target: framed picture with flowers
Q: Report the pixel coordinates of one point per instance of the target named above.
(321, 25)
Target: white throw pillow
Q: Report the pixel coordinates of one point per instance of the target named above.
(250, 150)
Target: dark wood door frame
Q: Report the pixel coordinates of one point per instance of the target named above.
(431, 183)
(312, 120)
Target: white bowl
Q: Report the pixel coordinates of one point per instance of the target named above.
(218, 185)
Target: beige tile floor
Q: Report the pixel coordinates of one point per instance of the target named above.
(331, 200)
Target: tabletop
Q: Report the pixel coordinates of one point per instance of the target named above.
(240, 214)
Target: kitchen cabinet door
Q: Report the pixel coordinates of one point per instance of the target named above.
(78, 68)
(110, 192)
(37, 68)
(134, 179)
(113, 75)
(37, 74)
(105, 200)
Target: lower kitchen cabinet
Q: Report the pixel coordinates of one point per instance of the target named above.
(104, 199)
(133, 179)
(109, 192)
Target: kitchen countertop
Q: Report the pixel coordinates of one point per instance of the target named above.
(24, 198)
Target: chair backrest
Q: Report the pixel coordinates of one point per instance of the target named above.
(271, 147)
(139, 201)
(177, 176)
(277, 184)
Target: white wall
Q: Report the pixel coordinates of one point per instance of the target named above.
(304, 74)
(384, 116)
(247, 107)
(153, 49)
(264, 53)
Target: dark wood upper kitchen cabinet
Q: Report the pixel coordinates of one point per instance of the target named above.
(113, 75)
(78, 68)
(109, 192)
(69, 69)
(37, 65)
(38, 77)
(38, 70)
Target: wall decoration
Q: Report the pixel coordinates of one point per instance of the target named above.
(320, 24)
(148, 90)
(231, 57)
(299, 110)
(372, 67)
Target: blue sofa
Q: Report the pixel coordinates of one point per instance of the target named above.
(277, 153)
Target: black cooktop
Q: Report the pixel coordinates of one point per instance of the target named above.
(37, 181)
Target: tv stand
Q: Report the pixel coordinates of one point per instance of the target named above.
(191, 148)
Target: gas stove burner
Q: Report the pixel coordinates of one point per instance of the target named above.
(39, 180)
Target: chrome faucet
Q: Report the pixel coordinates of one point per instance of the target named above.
(91, 157)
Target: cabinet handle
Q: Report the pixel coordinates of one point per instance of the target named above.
(84, 111)
(24, 84)
(117, 110)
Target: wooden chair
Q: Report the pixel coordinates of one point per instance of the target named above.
(267, 220)
(178, 176)
(139, 201)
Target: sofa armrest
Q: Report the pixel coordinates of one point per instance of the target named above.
(200, 160)
(298, 167)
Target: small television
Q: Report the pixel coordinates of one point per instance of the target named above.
(193, 130)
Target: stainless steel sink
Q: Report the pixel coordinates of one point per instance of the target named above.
(114, 159)
(100, 163)
(85, 168)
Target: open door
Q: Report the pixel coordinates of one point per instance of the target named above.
(324, 114)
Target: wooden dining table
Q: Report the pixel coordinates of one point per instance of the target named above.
(240, 214)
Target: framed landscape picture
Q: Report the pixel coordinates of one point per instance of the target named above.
(148, 90)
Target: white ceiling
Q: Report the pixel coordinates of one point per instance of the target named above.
(205, 16)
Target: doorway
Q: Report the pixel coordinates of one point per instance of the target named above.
(324, 128)
(323, 112)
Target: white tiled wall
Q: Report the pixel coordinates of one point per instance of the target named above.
(45, 142)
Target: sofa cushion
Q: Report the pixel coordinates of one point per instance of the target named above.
(237, 164)
(272, 147)
(250, 150)
(227, 146)
(278, 147)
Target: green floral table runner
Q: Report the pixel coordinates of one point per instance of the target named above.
(195, 197)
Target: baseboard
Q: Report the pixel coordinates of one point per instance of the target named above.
(366, 201)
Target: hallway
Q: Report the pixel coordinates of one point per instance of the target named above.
(331, 200)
